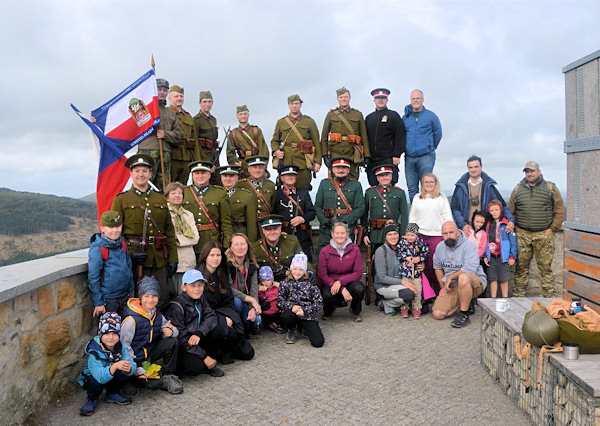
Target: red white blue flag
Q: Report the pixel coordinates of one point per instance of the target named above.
(120, 124)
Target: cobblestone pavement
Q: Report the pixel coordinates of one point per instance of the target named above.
(383, 370)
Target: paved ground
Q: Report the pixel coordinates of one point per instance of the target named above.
(383, 370)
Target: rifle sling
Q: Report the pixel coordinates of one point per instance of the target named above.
(273, 259)
(204, 209)
(294, 129)
(261, 196)
(295, 203)
(341, 194)
(132, 198)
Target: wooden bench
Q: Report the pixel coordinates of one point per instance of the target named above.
(570, 392)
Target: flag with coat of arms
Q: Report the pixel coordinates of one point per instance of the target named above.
(120, 124)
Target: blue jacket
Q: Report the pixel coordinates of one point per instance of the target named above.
(98, 364)
(111, 279)
(460, 199)
(508, 242)
(423, 135)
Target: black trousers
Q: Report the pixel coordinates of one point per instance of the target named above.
(116, 305)
(330, 301)
(225, 342)
(94, 388)
(310, 327)
(166, 348)
(189, 364)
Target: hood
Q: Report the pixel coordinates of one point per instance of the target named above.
(484, 176)
(100, 240)
(461, 239)
(408, 110)
(348, 241)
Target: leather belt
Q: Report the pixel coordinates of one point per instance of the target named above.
(207, 227)
(159, 242)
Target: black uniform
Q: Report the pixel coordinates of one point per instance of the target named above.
(387, 139)
(285, 207)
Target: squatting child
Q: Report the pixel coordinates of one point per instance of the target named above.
(267, 295)
(501, 252)
(300, 301)
(412, 251)
(109, 365)
(110, 276)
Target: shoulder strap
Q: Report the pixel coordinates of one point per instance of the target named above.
(204, 208)
(264, 248)
(341, 194)
(249, 139)
(255, 132)
(341, 116)
(174, 302)
(259, 195)
(132, 198)
(104, 253)
(385, 204)
(294, 129)
(295, 202)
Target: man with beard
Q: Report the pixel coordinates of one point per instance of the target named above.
(460, 275)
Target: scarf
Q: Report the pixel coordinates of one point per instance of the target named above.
(179, 222)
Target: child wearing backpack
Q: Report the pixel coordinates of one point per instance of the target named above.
(110, 276)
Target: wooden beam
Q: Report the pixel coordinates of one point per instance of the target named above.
(582, 242)
(582, 264)
(582, 286)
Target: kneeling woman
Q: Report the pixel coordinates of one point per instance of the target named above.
(340, 271)
(227, 340)
(388, 281)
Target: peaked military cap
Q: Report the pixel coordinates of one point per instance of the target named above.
(111, 218)
(205, 95)
(380, 93)
(342, 90)
(176, 88)
(288, 170)
(294, 98)
(200, 166)
(229, 170)
(139, 160)
(382, 169)
(271, 220)
(161, 82)
(241, 108)
(341, 162)
(256, 160)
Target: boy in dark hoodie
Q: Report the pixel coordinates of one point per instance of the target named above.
(110, 276)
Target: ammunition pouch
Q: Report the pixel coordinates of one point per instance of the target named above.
(354, 139)
(377, 223)
(306, 147)
(335, 137)
(190, 143)
(207, 143)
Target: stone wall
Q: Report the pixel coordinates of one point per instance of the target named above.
(45, 323)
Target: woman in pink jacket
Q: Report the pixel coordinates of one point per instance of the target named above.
(340, 271)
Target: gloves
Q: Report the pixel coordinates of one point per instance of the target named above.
(171, 269)
(139, 258)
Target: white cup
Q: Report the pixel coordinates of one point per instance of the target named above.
(502, 305)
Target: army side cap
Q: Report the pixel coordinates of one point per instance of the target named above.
(294, 98)
(531, 165)
(176, 88)
(200, 166)
(241, 108)
(380, 93)
(111, 218)
(382, 169)
(256, 160)
(161, 82)
(139, 160)
(229, 170)
(342, 90)
(271, 220)
(205, 94)
(341, 162)
(288, 170)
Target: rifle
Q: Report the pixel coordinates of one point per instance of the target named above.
(276, 160)
(217, 152)
(141, 248)
(295, 213)
(369, 276)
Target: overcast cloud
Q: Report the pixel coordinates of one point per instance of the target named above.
(492, 72)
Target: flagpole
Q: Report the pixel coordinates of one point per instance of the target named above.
(160, 142)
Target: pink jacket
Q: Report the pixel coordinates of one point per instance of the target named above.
(346, 269)
(480, 241)
(269, 295)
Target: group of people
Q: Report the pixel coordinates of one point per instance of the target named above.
(216, 264)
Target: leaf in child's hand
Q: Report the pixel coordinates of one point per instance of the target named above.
(151, 370)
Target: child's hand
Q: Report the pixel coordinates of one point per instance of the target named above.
(486, 261)
(126, 367)
(511, 261)
(98, 310)
(168, 330)
(298, 310)
(193, 340)
(228, 321)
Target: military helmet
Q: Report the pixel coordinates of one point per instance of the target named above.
(540, 329)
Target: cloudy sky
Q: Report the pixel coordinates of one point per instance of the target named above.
(492, 71)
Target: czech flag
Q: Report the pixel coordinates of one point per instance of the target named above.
(122, 123)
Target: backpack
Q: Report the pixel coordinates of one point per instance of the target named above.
(104, 250)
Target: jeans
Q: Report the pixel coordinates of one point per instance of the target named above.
(243, 308)
(415, 168)
(94, 388)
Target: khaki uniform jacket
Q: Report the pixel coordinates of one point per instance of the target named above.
(217, 203)
(206, 127)
(243, 213)
(328, 198)
(173, 132)
(267, 190)
(133, 223)
(188, 131)
(185, 245)
(240, 147)
(374, 209)
(287, 248)
(283, 133)
(334, 124)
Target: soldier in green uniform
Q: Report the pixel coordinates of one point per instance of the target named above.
(210, 206)
(188, 150)
(345, 134)
(152, 244)
(276, 249)
(258, 184)
(383, 202)
(207, 133)
(242, 201)
(168, 134)
(245, 141)
(296, 142)
(338, 199)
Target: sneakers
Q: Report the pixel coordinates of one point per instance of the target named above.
(355, 317)
(380, 305)
(171, 384)
(472, 305)
(88, 407)
(117, 398)
(404, 312)
(416, 313)
(290, 339)
(276, 328)
(129, 388)
(388, 310)
(461, 320)
(215, 372)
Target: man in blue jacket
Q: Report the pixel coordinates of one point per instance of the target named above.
(474, 191)
(423, 135)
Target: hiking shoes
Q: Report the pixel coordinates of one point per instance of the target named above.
(290, 339)
(388, 310)
(461, 320)
(355, 317)
(276, 328)
(171, 384)
(215, 372)
(404, 312)
(117, 398)
(416, 313)
(88, 407)
(472, 305)
(129, 388)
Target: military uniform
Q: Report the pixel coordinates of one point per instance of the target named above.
(243, 212)
(329, 205)
(336, 137)
(284, 207)
(217, 202)
(287, 247)
(189, 149)
(286, 139)
(376, 214)
(207, 133)
(244, 142)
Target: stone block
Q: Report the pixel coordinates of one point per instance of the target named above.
(58, 334)
(31, 347)
(66, 295)
(28, 321)
(23, 302)
(45, 296)
(85, 323)
(5, 312)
